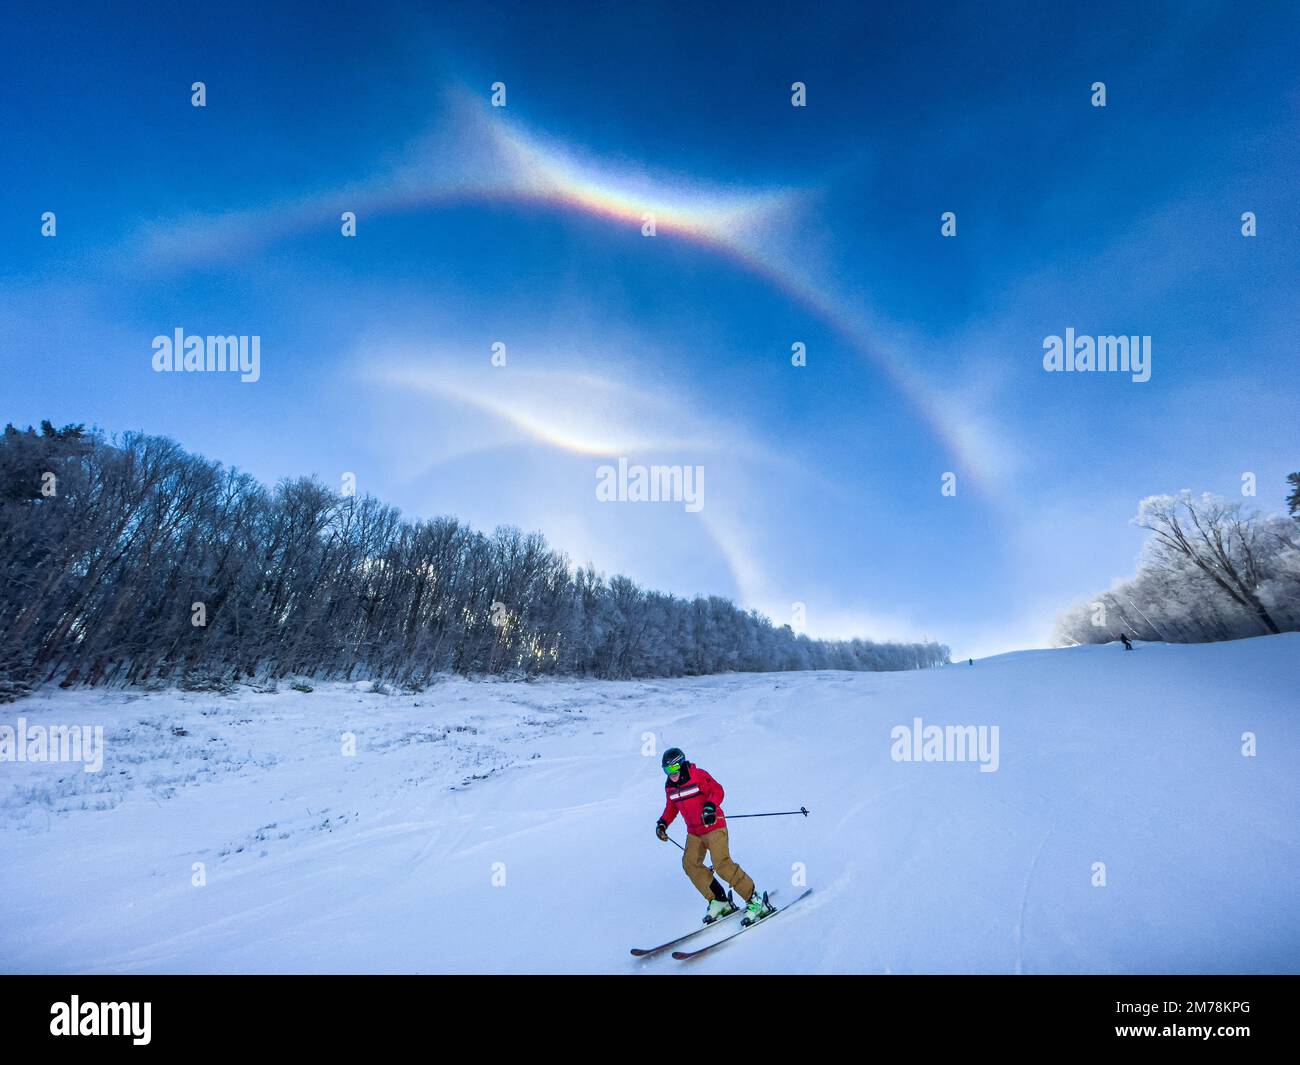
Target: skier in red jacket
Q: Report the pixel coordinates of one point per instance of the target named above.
(698, 798)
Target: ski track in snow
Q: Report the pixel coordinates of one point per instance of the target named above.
(389, 861)
(1024, 902)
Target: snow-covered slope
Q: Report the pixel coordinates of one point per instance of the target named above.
(490, 827)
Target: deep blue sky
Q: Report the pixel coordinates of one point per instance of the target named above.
(521, 224)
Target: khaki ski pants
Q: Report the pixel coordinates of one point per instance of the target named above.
(715, 844)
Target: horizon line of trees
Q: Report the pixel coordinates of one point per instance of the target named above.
(1211, 570)
(132, 561)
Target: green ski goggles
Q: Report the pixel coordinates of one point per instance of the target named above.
(676, 767)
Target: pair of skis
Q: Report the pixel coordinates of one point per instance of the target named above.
(684, 955)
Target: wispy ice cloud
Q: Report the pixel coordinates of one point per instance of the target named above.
(480, 154)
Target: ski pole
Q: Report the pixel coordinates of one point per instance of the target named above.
(784, 813)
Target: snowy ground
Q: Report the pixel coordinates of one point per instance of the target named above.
(386, 861)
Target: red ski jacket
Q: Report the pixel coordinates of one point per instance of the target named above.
(688, 797)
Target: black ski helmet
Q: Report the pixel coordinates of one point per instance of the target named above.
(673, 756)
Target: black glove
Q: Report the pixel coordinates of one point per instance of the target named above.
(710, 814)
(661, 830)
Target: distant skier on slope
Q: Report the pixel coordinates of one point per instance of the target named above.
(698, 798)
(1124, 638)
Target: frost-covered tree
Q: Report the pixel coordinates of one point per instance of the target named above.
(1210, 571)
(1212, 534)
(131, 561)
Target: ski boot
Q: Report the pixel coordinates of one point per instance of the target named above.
(757, 909)
(719, 908)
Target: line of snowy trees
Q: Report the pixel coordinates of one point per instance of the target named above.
(1211, 570)
(131, 561)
